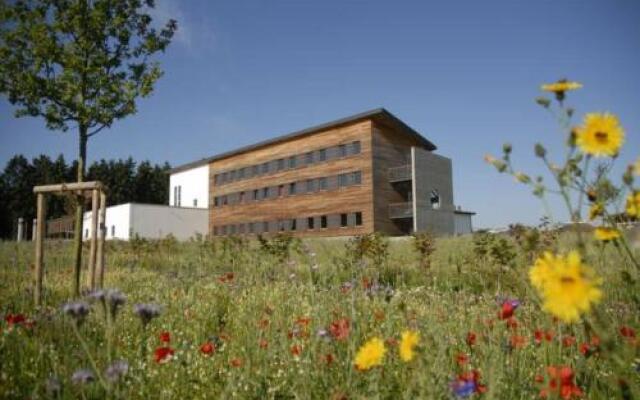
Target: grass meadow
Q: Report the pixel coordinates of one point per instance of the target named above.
(285, 321)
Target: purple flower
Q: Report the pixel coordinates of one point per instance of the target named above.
(82, 376)
(146, 312)
(115, 300)
(116, 371)
(53, 387)
(77, 310)
(463, 388)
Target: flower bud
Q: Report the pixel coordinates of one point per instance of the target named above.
(540, 150)
(543, 101)
(627, 177)
(571, 141)
(506, 148)
(523, 178)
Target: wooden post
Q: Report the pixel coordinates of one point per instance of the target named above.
(20, 229)
(34, 229)
(103, 233)
(94, 238)
(39, 268)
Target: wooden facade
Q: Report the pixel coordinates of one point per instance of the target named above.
(330, 180)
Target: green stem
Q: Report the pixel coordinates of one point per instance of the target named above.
(91, 360)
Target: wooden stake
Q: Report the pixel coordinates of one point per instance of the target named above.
(39, 268)
(103, 234)
(95, 199)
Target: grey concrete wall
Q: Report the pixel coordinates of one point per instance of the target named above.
(432, 172)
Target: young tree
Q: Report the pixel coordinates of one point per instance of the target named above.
(79, 64)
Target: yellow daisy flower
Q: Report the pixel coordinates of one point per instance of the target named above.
(408, 342)
(606, 234)
(561, 86)
(600, 135)
(633, 204)
(370, 354)
(568, 288)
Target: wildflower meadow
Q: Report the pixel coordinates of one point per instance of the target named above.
(535, 312)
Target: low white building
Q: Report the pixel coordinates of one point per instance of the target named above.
(151, 221)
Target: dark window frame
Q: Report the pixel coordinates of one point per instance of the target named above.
(344, 220)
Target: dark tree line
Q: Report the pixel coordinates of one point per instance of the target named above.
(126, 180)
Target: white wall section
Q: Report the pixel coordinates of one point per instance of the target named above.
(190, 188)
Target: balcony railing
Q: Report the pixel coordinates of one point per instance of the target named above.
(399, 174)
(401, 210)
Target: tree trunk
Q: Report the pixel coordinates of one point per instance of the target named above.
(82, 160)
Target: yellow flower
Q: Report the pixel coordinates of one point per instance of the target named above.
(561, 86)
(595, 211)
(600, 135)
(370, 354)
(568, 288)
(633, 204)
(606, 234)
(408, 342)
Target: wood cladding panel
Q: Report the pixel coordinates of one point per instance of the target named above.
(390, 149)
(340, 200)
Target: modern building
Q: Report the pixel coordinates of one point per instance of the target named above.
(149, 221)
(364, 173)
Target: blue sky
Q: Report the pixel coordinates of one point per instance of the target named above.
(463, 73)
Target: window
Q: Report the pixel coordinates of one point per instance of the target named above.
(255, 170)
(280, 190)
(256, 194)
(195, 202)
(175, 195)
(310, 185)
(355, 147)
(216, 179)
(280, 164)
(281, 226)
(308, 158)
(252, 227)
(358, 219)
(342, 150)
(232, 175)
(293, 224)
(225, 200)
(356, 178)
(225, 177)
(113, 230)
(322, 183)
(241, 173)
(265, 168)
(322, 155)
(292, 188)
(310, 222)
(241, 200)
(344, 220)
(434, 199)
(265, 193)
(292, 162)
(232, 230)
(179, 195)
(323, 221)
(343, 180)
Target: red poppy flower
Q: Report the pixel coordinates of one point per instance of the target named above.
(561, 382)
(585, 349)
(303, 321)
(508, 308)
(208, 348)
(165, 337)
(568, 341)
(329, 358)
(627, 332)
(471, 338)
(462, 359)
(236, 362)
(14, 319)
(296, 349)
(340, 329)
(512, 323)
(163, 354)
(517, 341)
(263, 344)
(595, 341)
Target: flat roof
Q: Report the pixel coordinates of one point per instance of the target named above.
(378, 114)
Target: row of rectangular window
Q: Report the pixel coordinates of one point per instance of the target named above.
(342, 220)
(290, 189)
(311, 157)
